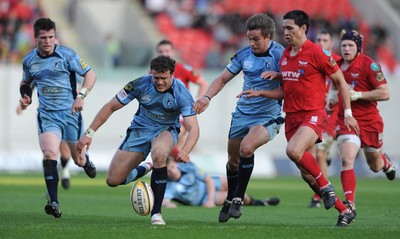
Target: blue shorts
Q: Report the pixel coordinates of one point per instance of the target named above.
(139, 139)
(67, 126)
(241, 123)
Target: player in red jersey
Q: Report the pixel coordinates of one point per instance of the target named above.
(325, 40)
(186, 74)
(304, 66)
(367, 85)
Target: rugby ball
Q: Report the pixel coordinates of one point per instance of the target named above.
(142, 198)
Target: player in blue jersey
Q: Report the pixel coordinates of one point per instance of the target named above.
(190, 185)
(256, 120)
(65, 153)
(53, 68)
(154, 129)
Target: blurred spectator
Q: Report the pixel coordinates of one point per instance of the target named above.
(113, 51)
(224, 21)
(16, 17)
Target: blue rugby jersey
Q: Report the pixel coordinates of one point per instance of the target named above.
(252, 66)
(157, 109)
(190, 188)
(54, 76)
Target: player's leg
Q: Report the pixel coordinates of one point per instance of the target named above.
(65, 155)
(322, 154)
(161, 147)
(258, 135)
(121, 166)
(49, 144)
(348, 146)
(72, 132)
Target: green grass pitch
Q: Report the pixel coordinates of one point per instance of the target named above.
(93, 210)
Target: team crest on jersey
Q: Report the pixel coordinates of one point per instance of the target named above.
(284, 62)
(375, 67)
(303, 63)
(247, 65)
(128, 87)
(379, 76)
(332, 61)
(57, 65)
(83, 64)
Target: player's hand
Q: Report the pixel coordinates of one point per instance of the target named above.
(270, 75)
(201, 105)
(78, 105)
(355, 95)
(249, 93)
(83, 141)
(25, 102)
(351, 124)
(182, 157)
(209, 204)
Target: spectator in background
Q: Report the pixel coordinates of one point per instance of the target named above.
(113, 51)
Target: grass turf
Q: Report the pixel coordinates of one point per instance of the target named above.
(93, 210)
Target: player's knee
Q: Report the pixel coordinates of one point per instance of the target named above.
(293, 154)
(246, 151)
(112, 182)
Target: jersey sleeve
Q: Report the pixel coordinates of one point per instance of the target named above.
(128, 93)
(375, 75)
(326, 62)
(78, 65)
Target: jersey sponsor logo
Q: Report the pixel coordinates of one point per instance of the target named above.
(247, 65)
(379, 76)
(145, 98)
(332, 61)
(291, 75)
(83, 64)
(303, 63)
(50, 90)
(314, 120)
(354, 75)
(122, 94)
(284, 62)
(375, 67)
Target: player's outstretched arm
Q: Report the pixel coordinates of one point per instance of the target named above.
(102, 116)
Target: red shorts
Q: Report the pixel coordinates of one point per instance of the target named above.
(315, 119)
(371, 131)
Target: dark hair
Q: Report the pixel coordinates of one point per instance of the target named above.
(324, 31)
(262, 22)
(352, 35)
(300, 18)
(163, 64)
(43, 24)
(165, 42)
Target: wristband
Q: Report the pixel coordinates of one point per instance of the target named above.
(348, 113)
(83, 92)
(208, 97)
(89, 132)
